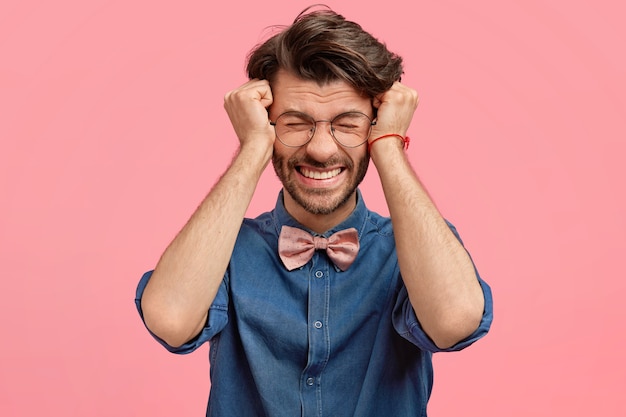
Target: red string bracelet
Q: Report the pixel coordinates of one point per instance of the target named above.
(405, 140)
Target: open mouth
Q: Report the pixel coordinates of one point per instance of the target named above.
(319, 175)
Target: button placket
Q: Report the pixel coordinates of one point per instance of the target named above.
(317, 313)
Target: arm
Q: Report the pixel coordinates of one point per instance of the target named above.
(437, 271)
(185, 281)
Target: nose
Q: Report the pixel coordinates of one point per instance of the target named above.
(322, 145)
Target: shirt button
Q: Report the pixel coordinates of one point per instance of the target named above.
(310, 381)
(318, 324)
(319, 274)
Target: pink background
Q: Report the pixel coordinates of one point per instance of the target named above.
(112, 130)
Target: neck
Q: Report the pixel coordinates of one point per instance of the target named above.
(319, 223)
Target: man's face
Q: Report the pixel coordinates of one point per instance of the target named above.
(322, 175)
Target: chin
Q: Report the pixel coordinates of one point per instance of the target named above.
(319, 202)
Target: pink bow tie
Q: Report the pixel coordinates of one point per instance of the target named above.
(296, 247)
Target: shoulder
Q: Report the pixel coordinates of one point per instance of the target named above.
(377, 224)
(262, 228)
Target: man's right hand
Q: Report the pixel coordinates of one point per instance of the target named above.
(247, 109)
(177, 298)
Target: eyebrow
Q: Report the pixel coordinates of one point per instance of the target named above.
(373, 114)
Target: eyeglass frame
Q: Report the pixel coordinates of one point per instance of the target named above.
(330, 122)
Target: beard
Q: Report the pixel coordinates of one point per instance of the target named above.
(314, 200)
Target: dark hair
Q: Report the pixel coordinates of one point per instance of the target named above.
(323, 46)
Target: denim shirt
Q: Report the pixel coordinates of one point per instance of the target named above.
(317, 341)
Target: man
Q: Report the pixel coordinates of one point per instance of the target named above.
(319, 307)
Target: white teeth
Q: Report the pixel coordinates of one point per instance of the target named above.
(316, 175)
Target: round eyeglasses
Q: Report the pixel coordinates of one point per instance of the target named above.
(350, 129)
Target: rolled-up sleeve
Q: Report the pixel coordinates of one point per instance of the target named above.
(407, 325)
(216, 321)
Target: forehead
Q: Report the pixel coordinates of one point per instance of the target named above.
(321, 100)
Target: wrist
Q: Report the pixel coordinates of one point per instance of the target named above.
(256, 152)
(404, 139)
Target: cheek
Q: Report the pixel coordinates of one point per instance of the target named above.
(361, 166)
(360, 156)
(283, 151)
(284, 155)
(278, 154)
(280, 160)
